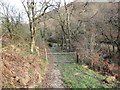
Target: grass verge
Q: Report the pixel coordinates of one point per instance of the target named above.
(75, 76)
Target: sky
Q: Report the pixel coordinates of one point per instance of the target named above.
(19, 5)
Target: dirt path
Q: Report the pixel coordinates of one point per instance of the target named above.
(52, 78)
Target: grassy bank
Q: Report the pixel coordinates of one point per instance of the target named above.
(76, 76)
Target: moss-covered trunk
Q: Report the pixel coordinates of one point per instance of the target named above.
(32, 43)
(33, 33)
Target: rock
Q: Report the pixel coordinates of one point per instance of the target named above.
(85, 67)
(32, 86)
(77, 73)
(110, 79)
(24, 80)
(17, 78)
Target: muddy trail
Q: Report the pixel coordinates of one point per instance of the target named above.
(52, 79)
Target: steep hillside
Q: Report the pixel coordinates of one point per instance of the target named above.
(92, 28)
(89, 30)
(86, 13)
(20, 68)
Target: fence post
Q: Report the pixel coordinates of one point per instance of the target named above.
(46, 54)
(77, 56)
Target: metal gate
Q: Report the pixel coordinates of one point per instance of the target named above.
(61, 56)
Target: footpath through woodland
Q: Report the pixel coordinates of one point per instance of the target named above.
(62, 74)
(52, 78)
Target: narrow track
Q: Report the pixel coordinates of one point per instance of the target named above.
(52, 78)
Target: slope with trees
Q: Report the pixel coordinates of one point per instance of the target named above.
(89, 28)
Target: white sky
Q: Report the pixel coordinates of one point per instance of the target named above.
(19, 5)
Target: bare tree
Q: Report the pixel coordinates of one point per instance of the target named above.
(63, 18)
(10, 17)
(109, 29)
(34, 13)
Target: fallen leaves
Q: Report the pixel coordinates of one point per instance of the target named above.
(15, 72)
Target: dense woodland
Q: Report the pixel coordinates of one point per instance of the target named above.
(89, 28)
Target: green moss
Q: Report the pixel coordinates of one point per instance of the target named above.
(30, 71)
(37, 85)
(43, 58)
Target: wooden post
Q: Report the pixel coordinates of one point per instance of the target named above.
(77, 56)
(46, 54)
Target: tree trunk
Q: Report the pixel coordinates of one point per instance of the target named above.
(33, 33)
(118, 48)
(32, 46)
(33, 28)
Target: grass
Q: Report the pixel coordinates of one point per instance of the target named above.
(37, 85)
(43, 58)
(75, 76)
(30, 71)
